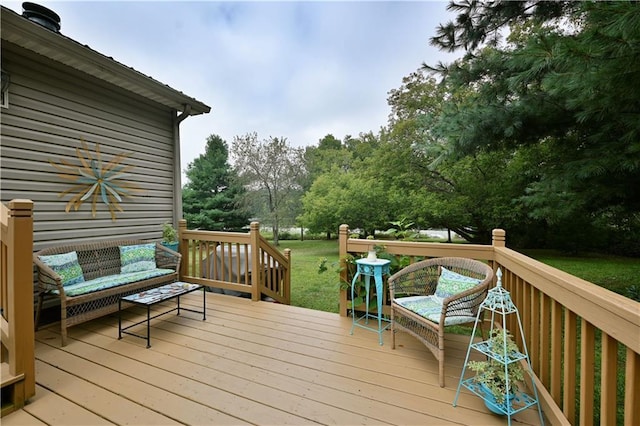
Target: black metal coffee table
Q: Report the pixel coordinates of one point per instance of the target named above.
(154, 296)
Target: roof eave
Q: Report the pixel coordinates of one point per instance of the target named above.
(31, 36)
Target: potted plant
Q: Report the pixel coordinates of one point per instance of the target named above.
(490, 374)
(169, 236)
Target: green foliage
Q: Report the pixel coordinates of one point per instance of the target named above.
(212, 199)
(349, 197)
(565, 85)
(330, 153)
(491, 372)
(402, 229)
(169, 233)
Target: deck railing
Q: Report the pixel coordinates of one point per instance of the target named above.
(227, 261)
(576, 332)
(16, 302)
(414, 250)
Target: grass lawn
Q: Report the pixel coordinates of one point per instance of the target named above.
(618, 274)
(312, 290)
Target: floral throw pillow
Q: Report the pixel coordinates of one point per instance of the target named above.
(66, 265)
(136, 258)
(451, 283)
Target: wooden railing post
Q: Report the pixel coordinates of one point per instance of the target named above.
(254, 235)
(20, 297)
(343, 236)
(498, 237)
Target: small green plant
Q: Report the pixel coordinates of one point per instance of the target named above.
(402, 229)
(169, 233)
(359, 290)
(491, 372)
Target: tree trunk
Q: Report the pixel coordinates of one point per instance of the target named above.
(276, 231)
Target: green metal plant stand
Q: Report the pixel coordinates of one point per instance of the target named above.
(499, 303)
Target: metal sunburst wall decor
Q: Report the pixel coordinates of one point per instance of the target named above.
(96, 180)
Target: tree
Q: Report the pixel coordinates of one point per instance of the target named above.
(320, 159)
(352, 197)
(272, 168)
(212, 198)
(565, 80)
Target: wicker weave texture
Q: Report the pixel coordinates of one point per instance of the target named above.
(421, 279)
(97, 260)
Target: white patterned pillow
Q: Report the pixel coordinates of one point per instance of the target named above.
(66, 265)
(136, 258)
(451, 283)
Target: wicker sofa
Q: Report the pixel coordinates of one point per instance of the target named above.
(432, 294)
(90, 278)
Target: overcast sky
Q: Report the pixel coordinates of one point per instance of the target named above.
(299, 70)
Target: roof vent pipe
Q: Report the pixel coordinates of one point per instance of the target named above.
(41, 15)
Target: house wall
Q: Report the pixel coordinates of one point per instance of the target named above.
(52, 106)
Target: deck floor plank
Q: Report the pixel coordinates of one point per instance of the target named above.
(97, 399)
(249, 362)
(237, 376)
(51, 408)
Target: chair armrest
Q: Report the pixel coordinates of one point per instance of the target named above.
(48, 279)
(167, 258)
(465, 303)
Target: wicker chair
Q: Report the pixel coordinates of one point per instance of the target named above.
(421, 279)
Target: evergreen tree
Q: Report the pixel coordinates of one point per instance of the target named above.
(212, 200)
(565, 80)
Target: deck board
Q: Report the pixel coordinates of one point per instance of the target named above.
(248, 363)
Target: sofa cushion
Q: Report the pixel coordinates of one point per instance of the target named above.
(110, 281)
(451, 283)
(141, 257)
(430, 307)
(66, 265)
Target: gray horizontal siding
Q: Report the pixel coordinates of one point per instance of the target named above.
(50, 108)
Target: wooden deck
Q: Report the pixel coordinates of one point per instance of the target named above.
(248, 363)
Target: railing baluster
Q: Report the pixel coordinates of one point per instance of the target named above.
(632, 389)
(587, 369)
(556, 352)
(570, 357)
(608, 379)
(544, 339)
